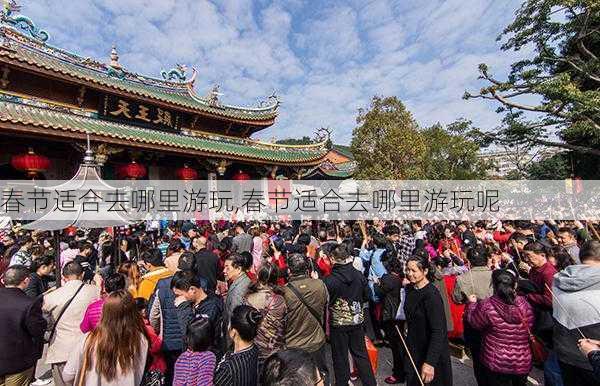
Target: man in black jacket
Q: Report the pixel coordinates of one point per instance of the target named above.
(348, 291)
(194, 300)
(205, 262)
(22, 329)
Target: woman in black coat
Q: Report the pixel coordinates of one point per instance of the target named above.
(427, 336)
(389, 289)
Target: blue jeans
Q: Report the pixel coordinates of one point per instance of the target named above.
(552, 373)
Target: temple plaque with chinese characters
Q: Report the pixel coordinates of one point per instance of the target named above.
(140, 114)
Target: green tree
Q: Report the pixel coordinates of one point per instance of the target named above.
(555, 167)
(387, 144)
(452, 156)
(562, 77)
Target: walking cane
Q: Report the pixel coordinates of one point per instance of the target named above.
(518, 255)
(410, 356)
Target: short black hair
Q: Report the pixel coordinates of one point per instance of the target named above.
(391, 230)
(590, 250)
(199, 335)
(25, 240)
(327, 248)
(183, 280)
(154, 257)
(303, 238)
(340, 253)
(114, 282)
(175, 245)
(566, 230)
(85, 245)
(395, 265)
(15, 275)
(186, 261)
(239, 261)
(72, 268)
(536, 247)
(297, 264)
(477, 256)
(43, 260)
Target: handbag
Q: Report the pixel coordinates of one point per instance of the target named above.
(153, 378)
(538, 351)
(84, 365)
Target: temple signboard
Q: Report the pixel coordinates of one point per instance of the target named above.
(141, 114)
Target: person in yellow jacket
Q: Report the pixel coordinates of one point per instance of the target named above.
(153, 260)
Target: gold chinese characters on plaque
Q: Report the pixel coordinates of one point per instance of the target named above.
(141, 114)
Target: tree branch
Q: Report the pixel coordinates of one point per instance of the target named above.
(583, 49)
(577, 148)
(502, 99)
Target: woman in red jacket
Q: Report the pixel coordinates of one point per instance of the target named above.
(504, 320)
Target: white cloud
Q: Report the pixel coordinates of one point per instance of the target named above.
(325, 62)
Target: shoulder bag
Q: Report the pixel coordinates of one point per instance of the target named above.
(62, 312)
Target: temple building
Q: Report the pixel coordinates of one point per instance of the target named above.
(140, 126)
(338, 164)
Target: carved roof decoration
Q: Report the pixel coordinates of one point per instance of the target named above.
(23, 44)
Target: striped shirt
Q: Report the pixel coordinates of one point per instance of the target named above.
(238, 369)
(194, 369)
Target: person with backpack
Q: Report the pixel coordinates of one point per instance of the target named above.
(348, 290)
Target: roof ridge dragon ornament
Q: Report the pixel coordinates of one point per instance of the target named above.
(20, 22)
(175, 74)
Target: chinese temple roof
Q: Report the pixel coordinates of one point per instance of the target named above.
(343, 150)
(25, 115)
(333, 171)
(24, 45)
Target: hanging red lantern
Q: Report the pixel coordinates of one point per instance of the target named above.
(31, 163)
(241, 176)
(132, 170)
(186, 173)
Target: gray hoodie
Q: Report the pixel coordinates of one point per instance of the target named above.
(577, 289)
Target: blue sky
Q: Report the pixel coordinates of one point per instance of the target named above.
(326, 59)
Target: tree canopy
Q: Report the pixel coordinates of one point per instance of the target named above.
(388, 144)
(562, 78)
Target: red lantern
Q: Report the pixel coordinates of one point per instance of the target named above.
(30, 162)
(186, 173)
(132, 171)
(241, 176)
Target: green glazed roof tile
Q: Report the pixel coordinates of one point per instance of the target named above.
(54, 59)
(27, 114)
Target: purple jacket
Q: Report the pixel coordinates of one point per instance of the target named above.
(505, 345)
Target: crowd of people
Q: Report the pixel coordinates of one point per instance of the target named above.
(263, 303)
